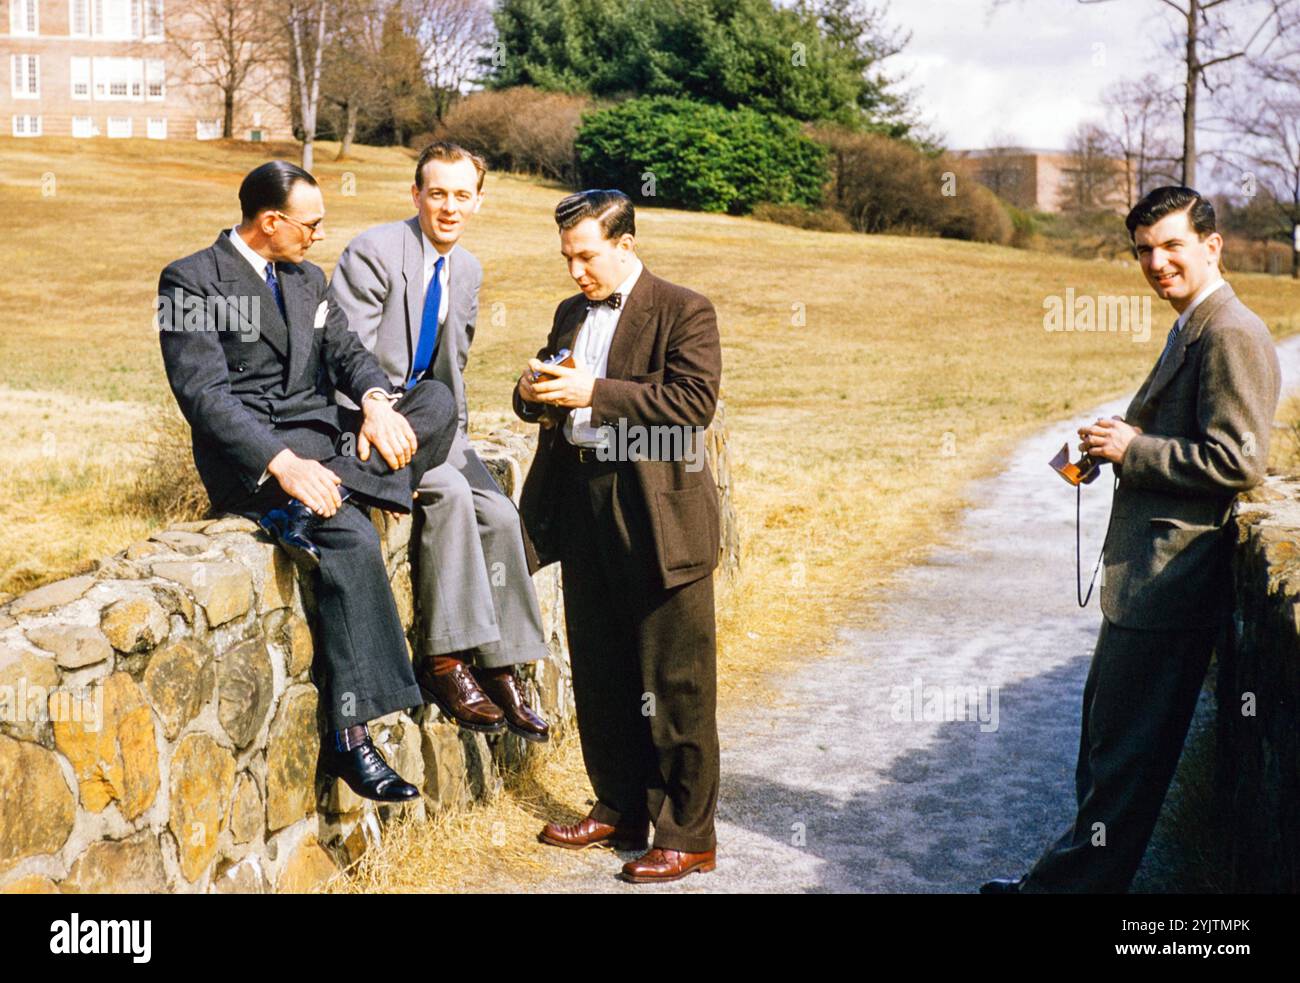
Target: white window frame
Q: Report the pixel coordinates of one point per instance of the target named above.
(22, 70)
(21, 127)
(82, 7)
(154, 19)
(83, 127)
(155, 71)
(207, 129)
(24, 18)
(119, 20)
(80, 74)
(120, 135)
(126, 75)
(157, 128)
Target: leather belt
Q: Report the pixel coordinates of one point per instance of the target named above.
(582, 455)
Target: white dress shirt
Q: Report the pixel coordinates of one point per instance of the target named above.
(591, 349)
(1197, 301)
(431, 255)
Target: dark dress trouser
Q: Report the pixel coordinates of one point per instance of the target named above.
(1137, 705)
(643, 661)
(363, 669)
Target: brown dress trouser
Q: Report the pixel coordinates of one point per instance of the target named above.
(643, 659)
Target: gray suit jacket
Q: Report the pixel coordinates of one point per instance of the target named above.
(1206, 413)
(379, 284)
(241, 374)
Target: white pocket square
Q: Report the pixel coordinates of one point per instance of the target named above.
(320, 314)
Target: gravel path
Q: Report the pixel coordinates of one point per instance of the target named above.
(844, 786)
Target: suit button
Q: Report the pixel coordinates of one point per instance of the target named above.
(275, 418)
(241, 366)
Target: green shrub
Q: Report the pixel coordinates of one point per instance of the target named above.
(692, 155)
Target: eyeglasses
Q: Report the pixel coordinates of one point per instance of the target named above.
(311, 227)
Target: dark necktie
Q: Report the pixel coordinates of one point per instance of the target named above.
(1173, 337)
(428, 325)
(613, 300)
(274, 284)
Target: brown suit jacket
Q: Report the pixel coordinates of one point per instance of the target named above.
(1206, 413)
(664, 367)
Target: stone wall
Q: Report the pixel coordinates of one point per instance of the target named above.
(158, 724)
(1258, 689)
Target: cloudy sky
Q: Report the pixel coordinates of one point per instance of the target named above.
(1030, 69)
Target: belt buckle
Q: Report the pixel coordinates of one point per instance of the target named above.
(586, 455)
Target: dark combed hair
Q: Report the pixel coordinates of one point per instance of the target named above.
(611, 208)
(1167, 200)
(445, 150)
(268, 186)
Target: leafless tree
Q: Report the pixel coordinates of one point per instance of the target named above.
(309, 23)
(453, 36)
(226, 48)
(1267, 148)
(1138, 128)
(1093, 178)
(1211, 33)
(1001, 168)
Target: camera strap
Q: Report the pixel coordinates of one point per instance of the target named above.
(1082, 598)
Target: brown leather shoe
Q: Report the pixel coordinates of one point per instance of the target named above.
(588, 832)
(448, 684)
(667, 865)
(502, 689)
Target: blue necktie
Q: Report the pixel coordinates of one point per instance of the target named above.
(274, 284)
(428, 325)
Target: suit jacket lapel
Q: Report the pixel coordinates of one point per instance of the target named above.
(1190, 334)
(637, 308)
(413, 277)
(573, 319)
(293, 288)
(236, 279)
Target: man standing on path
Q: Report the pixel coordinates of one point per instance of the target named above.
(1195, 435)
(636, 536)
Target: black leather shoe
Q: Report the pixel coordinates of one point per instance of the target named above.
(366, 772)
(1001, 885)
(292, 526)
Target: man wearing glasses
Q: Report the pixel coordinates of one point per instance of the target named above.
(253, 350)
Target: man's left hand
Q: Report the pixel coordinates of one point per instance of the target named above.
(389, 433)
(571, 388)
(1107, 440)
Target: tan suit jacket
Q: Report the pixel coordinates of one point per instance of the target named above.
(1206, 413)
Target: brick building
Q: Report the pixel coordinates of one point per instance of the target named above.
(1042, 180)
(122, 68)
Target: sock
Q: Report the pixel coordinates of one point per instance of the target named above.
(445, 663)
(350, 737)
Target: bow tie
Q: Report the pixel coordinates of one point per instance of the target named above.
(614, 300)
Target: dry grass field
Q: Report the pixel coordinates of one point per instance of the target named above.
(866, 377)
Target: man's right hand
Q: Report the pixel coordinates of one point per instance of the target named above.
(529, 395)
(313, 484)
(526, 391)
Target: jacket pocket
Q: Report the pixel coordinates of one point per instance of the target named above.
(688, 526)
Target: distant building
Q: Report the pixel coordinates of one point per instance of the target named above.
(115, 68)
(1046, 180)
